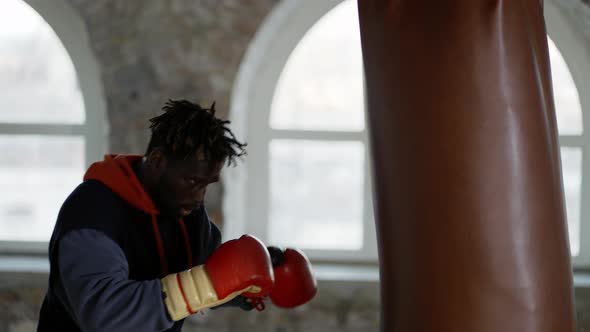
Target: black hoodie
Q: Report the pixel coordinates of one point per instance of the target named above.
(109, 250)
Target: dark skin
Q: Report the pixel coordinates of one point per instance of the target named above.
(177, 186)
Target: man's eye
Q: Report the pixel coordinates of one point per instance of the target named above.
(190, 181)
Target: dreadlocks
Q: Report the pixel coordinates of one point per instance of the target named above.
(186, 128)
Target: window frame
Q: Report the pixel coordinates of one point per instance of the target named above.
(248, 200)
(245, 200)
(71, 30)
(573, 46)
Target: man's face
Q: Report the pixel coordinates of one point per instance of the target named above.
(182, 185)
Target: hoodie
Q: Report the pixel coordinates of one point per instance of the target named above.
(109, 249)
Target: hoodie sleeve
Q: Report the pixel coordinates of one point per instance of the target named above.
(94, 273)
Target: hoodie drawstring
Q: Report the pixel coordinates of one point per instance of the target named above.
(160, 245)
(187, 243)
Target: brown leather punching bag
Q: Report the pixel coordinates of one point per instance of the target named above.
(469, 202)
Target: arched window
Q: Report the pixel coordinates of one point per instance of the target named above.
(316, 148)
(307, 172)
(571, 134)
(301, 107)
(47, 136)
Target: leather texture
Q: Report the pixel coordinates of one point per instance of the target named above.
(470, 210)
(295, 283)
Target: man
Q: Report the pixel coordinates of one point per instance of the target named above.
(133, 248)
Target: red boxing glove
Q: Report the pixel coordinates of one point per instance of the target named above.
(237, 267)
(241, 265)
(294, 283)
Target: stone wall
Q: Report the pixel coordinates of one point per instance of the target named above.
(150, 51)
(340, 306)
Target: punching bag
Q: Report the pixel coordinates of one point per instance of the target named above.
(470, 207)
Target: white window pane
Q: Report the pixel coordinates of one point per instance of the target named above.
(567, 101)
(321, 86)
(316, 194)
(37, 173)
(38, 83)
(571, 159)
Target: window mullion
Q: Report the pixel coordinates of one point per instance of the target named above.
(41, 129)
(258, 198)
(571, 140)
(317, 135)
(584, 254)
(369, 226)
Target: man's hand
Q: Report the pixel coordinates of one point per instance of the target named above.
(241, 302)
(277, 256)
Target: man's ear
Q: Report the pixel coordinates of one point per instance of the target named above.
(157, 161)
